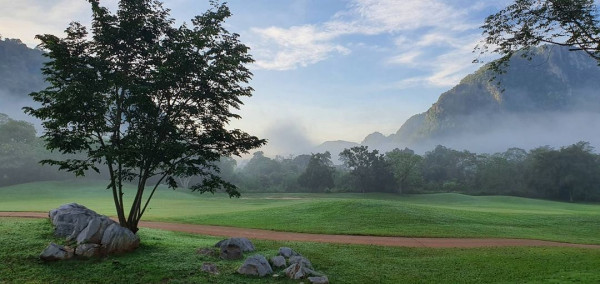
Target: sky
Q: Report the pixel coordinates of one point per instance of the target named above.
(324, 69)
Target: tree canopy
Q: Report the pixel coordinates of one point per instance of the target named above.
(146, 99)
(528, 23)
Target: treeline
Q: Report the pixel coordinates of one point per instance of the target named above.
(570, 173)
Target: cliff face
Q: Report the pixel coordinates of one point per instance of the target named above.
(555, 80)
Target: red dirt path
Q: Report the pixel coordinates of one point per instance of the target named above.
(340, 239)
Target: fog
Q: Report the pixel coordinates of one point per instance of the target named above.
(497, 133)
(12, 105)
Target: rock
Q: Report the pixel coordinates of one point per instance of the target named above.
(231, 252)
(301, 259)
(278, 261)
(95, 234)
(56, 252)
(210, 268)
(206, 251)
(117, 239)
(94, 230)
(70, 219)
(88, 250)
(318, 280)
(298, 271)
(256, 265)
(243, 243)
(287, 252)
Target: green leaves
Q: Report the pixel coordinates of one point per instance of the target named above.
(149, 100)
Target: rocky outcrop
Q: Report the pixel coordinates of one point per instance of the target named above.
(243, 243)
(94, 234)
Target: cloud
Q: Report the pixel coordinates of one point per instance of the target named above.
(433, 23)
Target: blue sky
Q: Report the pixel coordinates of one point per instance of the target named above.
(325, 69)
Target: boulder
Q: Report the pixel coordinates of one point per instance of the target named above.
(117, 239)
(256, 265)
(210, 268)
(287, 252)
(243, 243)
(302, 260)
(70, 219)
(56, 252)
(298, 271)
(318, 280)
(278, 261)
(94, 234)
(88, 250)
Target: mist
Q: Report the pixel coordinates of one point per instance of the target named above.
(527, 131)
(12, 105)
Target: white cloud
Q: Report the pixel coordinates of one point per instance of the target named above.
(277, 48)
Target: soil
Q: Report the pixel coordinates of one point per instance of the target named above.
(339, 239)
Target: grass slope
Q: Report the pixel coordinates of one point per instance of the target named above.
(168, 257)
(435, 215)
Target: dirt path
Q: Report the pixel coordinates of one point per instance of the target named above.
(339, 239)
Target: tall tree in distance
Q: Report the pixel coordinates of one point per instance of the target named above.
(529, 23)
(145, 98)
(318, 174)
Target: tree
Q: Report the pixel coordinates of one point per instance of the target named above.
(406, 167)
(145, 98)
(529, 23)
(318, 174)
(369, 169)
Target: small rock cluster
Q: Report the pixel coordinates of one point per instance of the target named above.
(294, 265)
(93, 234)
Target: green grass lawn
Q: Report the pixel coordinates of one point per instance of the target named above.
(170, 257)
(433, 215)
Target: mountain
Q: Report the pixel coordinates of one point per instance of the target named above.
(552, 98)
(20, 74)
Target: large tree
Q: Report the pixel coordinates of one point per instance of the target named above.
(146, 99)
(528, 23)
(318, 174)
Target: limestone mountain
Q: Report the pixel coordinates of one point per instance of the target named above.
(554, 82)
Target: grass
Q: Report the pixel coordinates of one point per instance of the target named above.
(169, 257)
(435, 215)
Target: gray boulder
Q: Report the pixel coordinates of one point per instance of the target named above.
(70, 219)
(287, 252)
(94, 234)
(318, 280)
(56, 252)
(243, 243)
(256, 265)
(278, 261)
(117, 239)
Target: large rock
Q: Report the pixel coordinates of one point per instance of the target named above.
(117, 239)
(56, 252)
(243, 243)
(256, 265)
(94, 234)
(70, 219)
